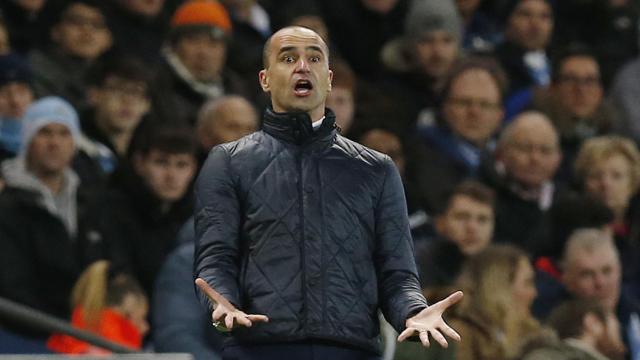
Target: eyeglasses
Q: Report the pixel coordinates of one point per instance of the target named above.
(79, 21)
(467, 103)
(579, 80)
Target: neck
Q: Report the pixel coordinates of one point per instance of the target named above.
(53, 181)
(119, 139)
(619, 215)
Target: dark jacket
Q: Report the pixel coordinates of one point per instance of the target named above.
(308, 228)
(137, 234)
(39, 260)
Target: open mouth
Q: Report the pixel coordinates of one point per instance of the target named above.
(302, 88)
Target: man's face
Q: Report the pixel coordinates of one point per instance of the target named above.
(530, 24)
(594, 275)
(120, 104)
(473, 108)
(610, 180)
(147, 8)
(297, 76)
(15, 98)
(468, 223)
(202, 55)
(533, 155)
(82, 32)
(51, 150)
(341, 101)
(578, 86)
(436, 51)
(232, 121)
(168, 175)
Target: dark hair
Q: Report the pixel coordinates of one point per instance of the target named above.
(567, 318)
(472, 189)
(168, 139)
(123, 66)
(61, 9)
(485, 63)
(572, 50)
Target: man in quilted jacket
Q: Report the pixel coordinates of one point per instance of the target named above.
(301, 234)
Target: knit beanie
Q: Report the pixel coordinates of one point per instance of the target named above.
(424, 16)
(201, 15)
(48, 110)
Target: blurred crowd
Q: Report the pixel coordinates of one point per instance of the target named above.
(515, 125)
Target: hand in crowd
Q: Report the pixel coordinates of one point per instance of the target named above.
(429, 321)
(225, 316)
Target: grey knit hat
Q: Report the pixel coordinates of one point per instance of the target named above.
(424, 16)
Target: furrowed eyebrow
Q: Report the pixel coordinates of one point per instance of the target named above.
(290, 48)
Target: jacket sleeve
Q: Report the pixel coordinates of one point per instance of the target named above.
(217, 222)
(399, 288)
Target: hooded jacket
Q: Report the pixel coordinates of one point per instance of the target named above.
(309, 229)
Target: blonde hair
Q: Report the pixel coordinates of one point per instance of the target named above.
(97, 289)
(488, 279)
(601, 148)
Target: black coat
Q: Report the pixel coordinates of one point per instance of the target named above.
(39, 260)
(308, 228)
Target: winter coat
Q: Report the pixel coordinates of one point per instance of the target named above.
(308, 228)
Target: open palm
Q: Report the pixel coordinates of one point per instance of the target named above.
(429, 321)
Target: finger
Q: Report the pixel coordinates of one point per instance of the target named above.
(448, 331)
(258, 318)
(228, 321)
(243, 320)
(213, 295)
(424, 338)
(437, 336)
(218, 313)
(406, 333)
(450, 300)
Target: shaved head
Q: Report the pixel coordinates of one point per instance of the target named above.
(266, 51)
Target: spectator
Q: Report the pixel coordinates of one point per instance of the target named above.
(523, 54)
(471, 111)
(420, 60)
(181, 324)
(140, 219)
(79, 37)
(24, 20)
(464, 228)
(109, 304)
(224, 120)
(624, 95)
(195, 57)
(527, 158)
(582, 326)
(609, 169)
(341, 99)
(591, 269)
(16, 94)
(481, 34)
(119, 99)
(360, 29)
(574, 103)
(139, 28)
(495, 319)
(41, 221)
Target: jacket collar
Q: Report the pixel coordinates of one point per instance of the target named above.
(295, 127)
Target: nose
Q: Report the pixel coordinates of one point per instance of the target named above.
(302, 65)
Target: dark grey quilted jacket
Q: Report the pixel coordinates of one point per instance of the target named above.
(308, 228)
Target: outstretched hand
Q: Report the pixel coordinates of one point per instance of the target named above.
(225, 311)
(429, 321)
